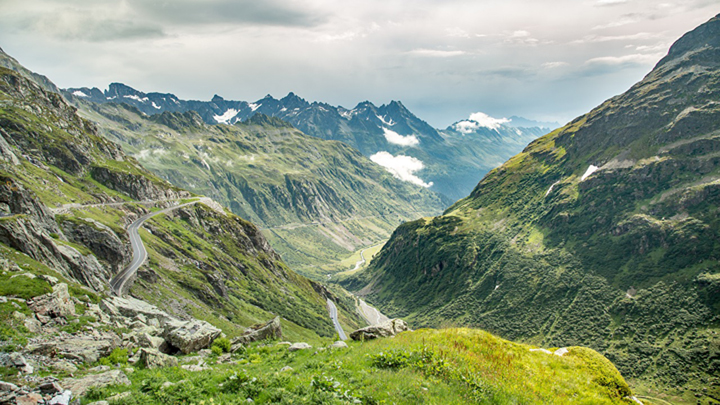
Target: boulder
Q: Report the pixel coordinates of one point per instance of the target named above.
(7, 387)
(80, 385)
(50, 388)
(386, 329)
(31, 398)
(269, 330)
(191, 336)
(64, 366)
(129, 307)
(61, 399)
(33, 325)
(81, 348)
(338, 345)
(152, 358)
(55, 304)
(16, 360)
(299, 346)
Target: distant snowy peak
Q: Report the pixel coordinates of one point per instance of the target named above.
(479, 120)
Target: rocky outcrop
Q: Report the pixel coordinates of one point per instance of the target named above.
(191, 336)
(299, 346)
(270, 330)
(99, 238)
(55, 304)
(84, 348)
(151, 358)
(136, 186)
(79, 386)
(386, 329)
(130, 307)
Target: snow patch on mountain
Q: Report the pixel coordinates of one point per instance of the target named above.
(79, 93)
(137, 98)
(388, 123)
(157, 107)
(226, 116)
(397, 139)
(590, 170)
(477, 120)
(401, 166)
(254, 106)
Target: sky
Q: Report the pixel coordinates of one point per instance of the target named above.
(444, 59)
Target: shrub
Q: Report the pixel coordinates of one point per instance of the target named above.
(216, 350)
(118, 356)
(222, 343)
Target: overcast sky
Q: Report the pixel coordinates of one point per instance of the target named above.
(546, 60)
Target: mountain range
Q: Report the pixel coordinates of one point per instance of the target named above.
(390, 135)
(604, 233)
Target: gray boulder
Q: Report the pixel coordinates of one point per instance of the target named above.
(16, 360)
(338, 345)
(191, 336)
(152, 358)
(386, 329)
(55, 304)
(129, 307)
(82, 348)
(269, 330)
(299, 346)
(79, 386)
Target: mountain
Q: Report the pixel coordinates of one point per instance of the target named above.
(603, 233)
(68, 195)
(391, 135)
(317, 201)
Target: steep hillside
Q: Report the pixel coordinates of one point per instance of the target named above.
(603, 233)
(68, 194)
(390, 135)
(317, 201)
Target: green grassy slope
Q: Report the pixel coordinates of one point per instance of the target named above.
(318, 201)
(623, 260)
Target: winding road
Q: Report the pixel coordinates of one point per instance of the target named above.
(117, 284)
(334, 316)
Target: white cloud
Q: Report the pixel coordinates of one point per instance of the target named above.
(553, 65)
(401, 166)
(457, 32)
(609, 38)
(436, 53)
(610, 2)
(397, 139)
(634, 59)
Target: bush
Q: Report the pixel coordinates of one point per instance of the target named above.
(118, 356)
(222, 343)
(216, 350)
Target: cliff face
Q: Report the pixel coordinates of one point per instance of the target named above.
(67, 195)
(602, 233)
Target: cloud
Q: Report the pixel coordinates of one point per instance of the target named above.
(610, 2)
(435, 53)
(609, 38)
(553, 65)
(478, 120)
(521, 37)
(633, 59)
(397, 139)
(401, 166)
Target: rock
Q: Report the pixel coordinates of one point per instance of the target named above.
(33, 325)
(32, 398)
(119, 396)
(546, 351)
(64, 366)
(194, 367)
(299, 346)
(286, 368)
(100, 369)
(62, 399)
(284, 343)
(224, 358)
(386, 329)
(50, 279)
(269, 330)
(152, 358)
(236, 347)
(83, 348)
(50, 387)
(99, 238)
(152, 342)
(80, 385)
(167, 384)
(7, 387)
(561, 351)
(129, 307)
(16, 360)
(338, 345)
(55, 304)
(99, 403)
(18, 316)
(28, 275)
(191, 336)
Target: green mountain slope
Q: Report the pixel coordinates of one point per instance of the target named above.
(318, 201)
(603, 233)
(67, 195)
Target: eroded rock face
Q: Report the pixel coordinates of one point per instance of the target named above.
(151, 358)
(270, 330)
(386, 329)
(79, 386)
(55, 304)
(81, 348)
(191, 336)
(99, 238)
(130, 308)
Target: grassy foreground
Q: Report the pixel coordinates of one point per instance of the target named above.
(449, 366)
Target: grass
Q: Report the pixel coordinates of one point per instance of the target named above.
(453, 366)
